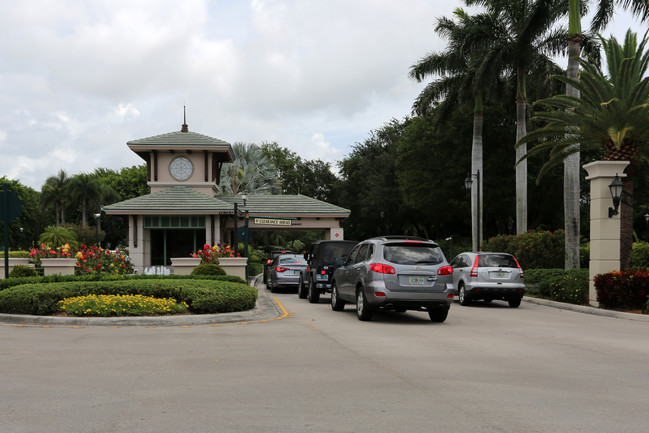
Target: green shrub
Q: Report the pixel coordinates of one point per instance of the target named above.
(549, 283)
(22, 271)
(571, 287)
(623, 290)
(15, 254)
(208, 269)
(202, 295)
(534, 250)
(10, 282)
(640, 256)
(255, 268)
(57, 236)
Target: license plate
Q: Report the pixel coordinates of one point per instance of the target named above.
(498, 275)
(321, 277)
(296, 272)
(416, 281)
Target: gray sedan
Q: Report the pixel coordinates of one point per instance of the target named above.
(284, 271)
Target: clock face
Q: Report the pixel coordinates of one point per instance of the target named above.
(181, 168)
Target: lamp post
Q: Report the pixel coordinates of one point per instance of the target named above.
(97, 216)
(468, 184)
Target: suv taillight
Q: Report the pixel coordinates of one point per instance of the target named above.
(268, 262)
(474, 269)
(381, 268)
(445, 270)
(519, 266)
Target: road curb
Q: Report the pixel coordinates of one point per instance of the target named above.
(588, 310)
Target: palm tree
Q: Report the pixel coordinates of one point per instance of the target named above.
(571, 165)
(83, 189)
(251, 172)
(612, 117)
(459, 82)
(523, 39)
(54, 193)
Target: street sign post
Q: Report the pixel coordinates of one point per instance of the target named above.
(10, 209)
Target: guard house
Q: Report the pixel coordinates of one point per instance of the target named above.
(184, 209)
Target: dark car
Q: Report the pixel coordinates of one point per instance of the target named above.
(272, 256)
(488, 276)
(285, 271)
(395, 273)
(322, 258)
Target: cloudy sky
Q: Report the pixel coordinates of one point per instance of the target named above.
(78, 79)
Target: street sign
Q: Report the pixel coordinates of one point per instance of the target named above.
(10, 205)
(273, 221)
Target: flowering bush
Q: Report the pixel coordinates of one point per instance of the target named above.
(623, 290)
(211, 254)
(45, 252)
(572, 287)
(98, 260)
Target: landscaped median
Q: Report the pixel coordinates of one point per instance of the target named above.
(202, 295)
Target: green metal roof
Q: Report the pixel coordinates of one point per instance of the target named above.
(266, 204)
(177, 199)
(179, 138)
(183, 200)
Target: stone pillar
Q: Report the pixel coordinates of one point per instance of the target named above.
(604, 231)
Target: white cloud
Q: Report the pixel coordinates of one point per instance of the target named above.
(80, 79)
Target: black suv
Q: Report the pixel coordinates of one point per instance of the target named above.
(272, 256)
(321, 260)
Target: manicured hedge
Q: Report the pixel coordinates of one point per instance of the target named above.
(623, 290)
(202, 295)
(10, 282)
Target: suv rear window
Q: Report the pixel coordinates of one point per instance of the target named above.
(328, 252)
(497, 261)
(412, 254)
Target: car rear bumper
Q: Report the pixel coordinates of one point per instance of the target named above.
(496, 290)
(411, 300)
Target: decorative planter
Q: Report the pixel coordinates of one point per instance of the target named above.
(61, 266)
(13, 262)
(234, 266)
(184, 265)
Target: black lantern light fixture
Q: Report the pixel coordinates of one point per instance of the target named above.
(616, 193)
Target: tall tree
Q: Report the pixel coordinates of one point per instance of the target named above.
(251, 172)
(612, 117)
(459, 81)
(572, 165)
(84, 188)
(55, 193)
(523, 40)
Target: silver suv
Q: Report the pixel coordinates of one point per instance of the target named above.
(396, 273)
(488, 276)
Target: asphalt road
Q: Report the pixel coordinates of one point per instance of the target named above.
(488, 368)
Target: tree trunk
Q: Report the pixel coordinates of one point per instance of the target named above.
(521, 169)
(84, 214)
(476, 168)
(571, 171)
